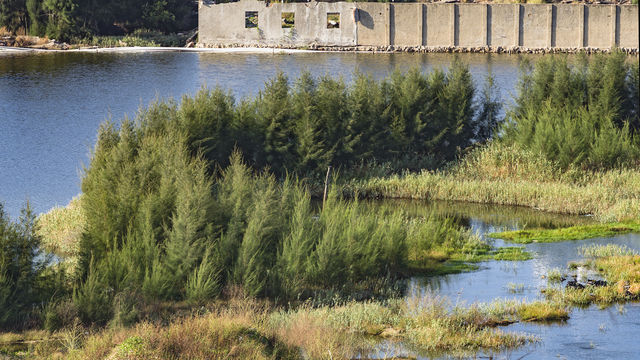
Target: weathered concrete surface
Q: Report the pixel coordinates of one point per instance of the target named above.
(474, 31)
(599, 25)
(424, 27)
(406, 25)
(569, 22)
(534, 20)
(224, 24)
(503, 30)
(628, 27)
(373, 24)
(439, 24)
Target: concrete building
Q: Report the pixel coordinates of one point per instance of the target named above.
(419, 26)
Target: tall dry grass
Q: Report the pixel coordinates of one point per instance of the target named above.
(509, 175)
(61, 228)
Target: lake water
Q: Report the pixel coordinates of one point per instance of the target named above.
(52, 104)
(590, 333)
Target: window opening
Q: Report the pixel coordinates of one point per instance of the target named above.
(333, 20)
(288, 20)
(250, 19)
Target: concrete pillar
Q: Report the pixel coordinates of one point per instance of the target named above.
(614, 23)
(485, 24)
(583, 23)
(454, 25)
(389, 24)
(516, 28)
(420, 10)
(549, 26)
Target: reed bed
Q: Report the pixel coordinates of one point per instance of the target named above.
(509, 175)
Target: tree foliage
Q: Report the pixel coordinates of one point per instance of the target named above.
(64, 19)
(582, 115)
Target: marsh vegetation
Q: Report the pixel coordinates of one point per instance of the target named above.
(197, 233)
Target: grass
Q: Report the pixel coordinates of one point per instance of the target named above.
(579, 232)
(515, 288)
(618, 265)
(508, 175)
(555, 275)
(245, 328)
(512, 254)
(600, 251)
(140, 38)
(543, 311)
(61, 228)
(425, 324)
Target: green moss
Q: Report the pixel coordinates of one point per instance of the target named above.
(570, 233)
(514, 253)
(443, 268)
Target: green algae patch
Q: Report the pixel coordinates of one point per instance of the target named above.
(512, 253)
(580, 232)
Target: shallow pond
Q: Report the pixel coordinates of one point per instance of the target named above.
(589, 333)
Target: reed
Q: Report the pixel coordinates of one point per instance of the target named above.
(509, 175)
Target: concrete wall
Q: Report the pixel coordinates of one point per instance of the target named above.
(439, 24)
(599, 26)
(406, 24)
(524, 26)
(224, 24)
(503, 28)
(471, 22)
(535, 30)
(373, 24)
(627, 26)
(569, 26)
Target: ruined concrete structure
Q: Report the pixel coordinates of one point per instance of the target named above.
(419, 26)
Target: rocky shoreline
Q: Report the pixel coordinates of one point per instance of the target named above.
(429, 49)
(52, 45)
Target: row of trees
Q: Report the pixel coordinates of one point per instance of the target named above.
(413, 119)
(64, 19)
(584, 114)
(174, 213)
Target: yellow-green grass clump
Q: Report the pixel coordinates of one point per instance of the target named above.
(61, 228)
(569, 233)
(250, 329)
(543, 311)
(620, 267)
(426, 324)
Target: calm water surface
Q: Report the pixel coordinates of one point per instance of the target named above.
(592, 333)
(52, 104)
